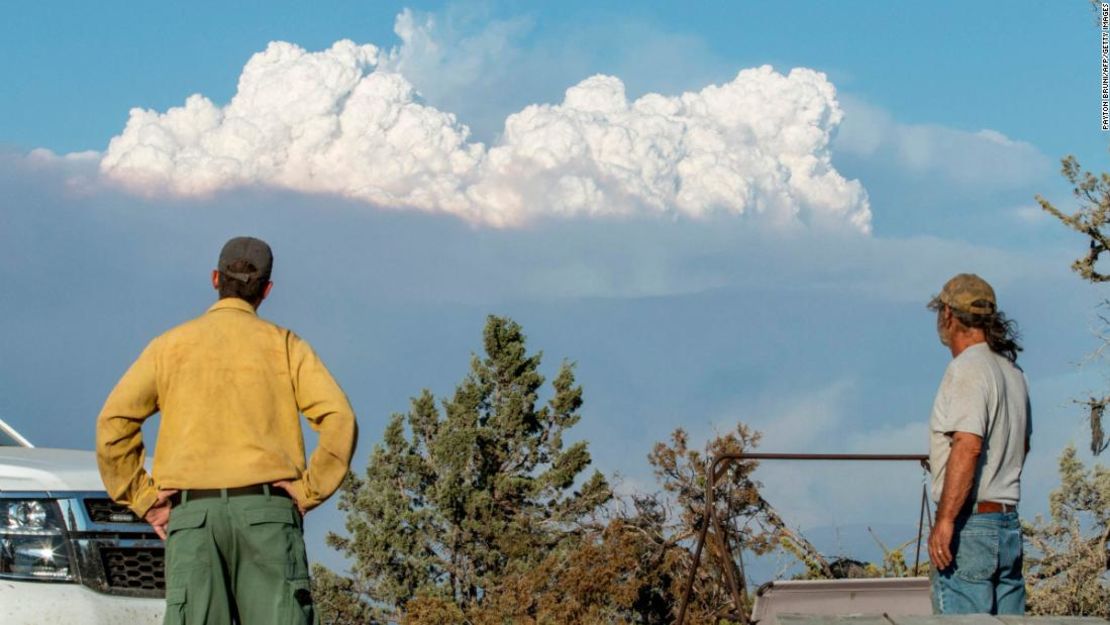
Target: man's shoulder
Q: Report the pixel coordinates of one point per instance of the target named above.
(982, 368)
(971, 367)
(975, 358)
(183, 328)
(205, 322)
(982, 358)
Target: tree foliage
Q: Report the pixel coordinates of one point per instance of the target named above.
(1067, 565)
(611, 574)
(474, 510)
(1091, 220)
(743, 521)
(342, 599)
(632, 566)
(463, 494)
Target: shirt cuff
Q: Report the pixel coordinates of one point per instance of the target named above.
(300, 494)
(144, 501)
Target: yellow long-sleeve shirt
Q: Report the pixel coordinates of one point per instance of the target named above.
(230, 387)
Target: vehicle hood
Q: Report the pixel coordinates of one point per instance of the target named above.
(39, 469)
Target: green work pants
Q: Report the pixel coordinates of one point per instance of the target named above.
(237, 559)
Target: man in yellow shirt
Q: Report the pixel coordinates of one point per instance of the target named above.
(229, 486)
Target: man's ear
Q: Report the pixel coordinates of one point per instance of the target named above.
(266, 291)
(216, 279)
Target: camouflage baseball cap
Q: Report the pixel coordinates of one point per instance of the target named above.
(254, 251)
(967, 292)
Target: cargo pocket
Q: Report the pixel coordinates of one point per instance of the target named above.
(181, 519)
(275, 537)
(279, 516)
(187, 543)
(298, 606)
(175, 606)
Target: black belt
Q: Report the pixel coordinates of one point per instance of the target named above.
(212, 493)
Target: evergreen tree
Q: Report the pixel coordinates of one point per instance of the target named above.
(473, 510)
(462, 494)
(1092, 220)
(1067, 565)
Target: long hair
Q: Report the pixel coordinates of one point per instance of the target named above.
(1002, 334)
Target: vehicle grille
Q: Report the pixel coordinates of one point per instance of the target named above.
(108, 511)
(134, 569)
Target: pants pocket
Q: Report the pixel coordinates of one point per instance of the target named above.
(189, 540)
(976, 555)
(274, 535)
(175, 606)
(274, 542)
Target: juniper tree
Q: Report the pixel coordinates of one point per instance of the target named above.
(466, 492)
(469, 513)
(632, 567)
(1068, 564)
(1068, 561)
(1092, 220)
(745, 521)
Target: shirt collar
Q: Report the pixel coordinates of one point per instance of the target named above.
(978, 347)
(233, 303)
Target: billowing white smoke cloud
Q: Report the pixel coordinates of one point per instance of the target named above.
(343, 121)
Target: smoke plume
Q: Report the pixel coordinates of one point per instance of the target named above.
(345, 121)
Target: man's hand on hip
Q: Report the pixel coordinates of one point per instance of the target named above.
(159, 514)
(287, 486)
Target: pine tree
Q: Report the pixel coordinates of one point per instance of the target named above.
(462, 494)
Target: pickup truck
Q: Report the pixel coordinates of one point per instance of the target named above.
(68, 553)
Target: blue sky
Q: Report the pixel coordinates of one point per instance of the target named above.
(953, 117)
(1024, 70)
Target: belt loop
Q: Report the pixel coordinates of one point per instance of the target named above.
(184, 497)
(266, 491)
(223, 494)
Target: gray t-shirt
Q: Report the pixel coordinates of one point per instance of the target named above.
(985, 394)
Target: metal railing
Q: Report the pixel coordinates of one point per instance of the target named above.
(717, 468)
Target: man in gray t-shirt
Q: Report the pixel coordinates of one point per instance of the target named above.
(979, 437)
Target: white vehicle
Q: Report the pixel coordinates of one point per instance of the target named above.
(68, 553)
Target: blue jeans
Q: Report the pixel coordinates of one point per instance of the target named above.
(985, 576)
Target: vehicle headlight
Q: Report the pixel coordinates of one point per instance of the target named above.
(26, 514)
(32, 540)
